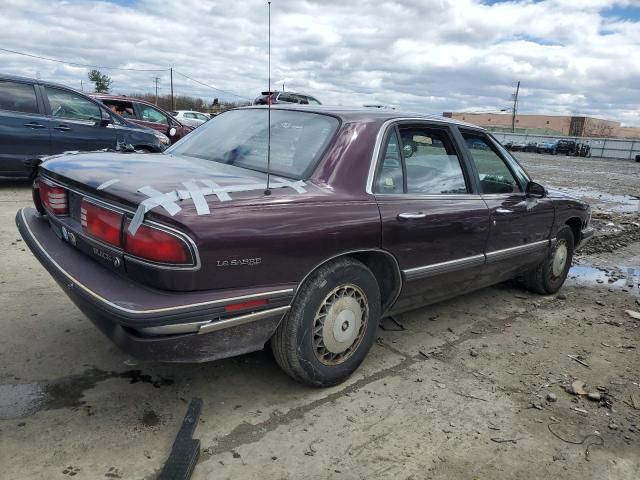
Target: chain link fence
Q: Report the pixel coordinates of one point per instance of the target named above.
(615, 148)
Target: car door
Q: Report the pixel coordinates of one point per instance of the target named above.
(77, 122)
(520, 226)
(24, 128)
(152, 117)
(433, 221)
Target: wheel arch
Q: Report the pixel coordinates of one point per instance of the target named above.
(382, 264)
(575, 223)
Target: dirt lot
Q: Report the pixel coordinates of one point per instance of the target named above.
(471, 388)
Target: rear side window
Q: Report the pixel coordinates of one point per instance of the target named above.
(150, 114)
(18, 97)
(72, 106)
(426, 158)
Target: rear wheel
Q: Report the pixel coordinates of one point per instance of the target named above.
(331, 325)
(549, 275)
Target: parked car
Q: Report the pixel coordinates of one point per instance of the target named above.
(515, 146)
(190, 118)
(285, 97)
(568, 147)
(368, 213)
(145, 114)
(530, 147)
(546, 147)
(39, 118)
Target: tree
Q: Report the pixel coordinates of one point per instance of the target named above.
(102, 82)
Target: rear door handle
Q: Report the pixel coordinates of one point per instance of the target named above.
(34, 125)
(62, 128)
(503, 211)
(411, 215)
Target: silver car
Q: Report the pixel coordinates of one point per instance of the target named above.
(189, 117)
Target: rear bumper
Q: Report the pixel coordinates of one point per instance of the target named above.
(155, 324)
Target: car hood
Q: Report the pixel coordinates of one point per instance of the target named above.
(120, 176)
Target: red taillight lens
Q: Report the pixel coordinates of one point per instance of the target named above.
(53, 198)
(244, 305)
(156, 245)
(101, 223)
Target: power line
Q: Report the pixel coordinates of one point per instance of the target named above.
(212, 87)
(83, 64)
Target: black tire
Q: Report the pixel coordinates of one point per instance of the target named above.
(299, 342)
(542, 279)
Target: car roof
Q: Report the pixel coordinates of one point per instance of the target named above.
(350, 114)
(18, 78)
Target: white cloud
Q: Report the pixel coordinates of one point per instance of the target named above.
(428, 55)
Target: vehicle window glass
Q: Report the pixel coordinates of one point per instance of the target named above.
(287, 98)
(495, 176)
(390, 176)
(150, 114)
(18, 97)
(521, 175)
(313, 101)
(432, 165)
(189, 115)
(239, 137)
(202, 117)
(66, 104)
(124, 109)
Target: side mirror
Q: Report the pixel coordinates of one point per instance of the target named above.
(535, 190)
(105, 121)
(172, 131)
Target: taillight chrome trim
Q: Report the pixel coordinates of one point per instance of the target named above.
(128, 213)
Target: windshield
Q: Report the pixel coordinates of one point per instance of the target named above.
(240, 137)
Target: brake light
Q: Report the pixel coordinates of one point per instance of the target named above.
(53, 198)
(155, 245)
(101, 223)
(244, 305)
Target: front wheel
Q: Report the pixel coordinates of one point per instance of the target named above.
(331, 325)
(549, 275)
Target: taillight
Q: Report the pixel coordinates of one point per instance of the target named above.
(156, 245)
(101, 223)
(245, 305)
(53, 198)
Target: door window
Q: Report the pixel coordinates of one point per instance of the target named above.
(495, 175)
(150, 114)
(420, 161)
(69, 105)
(18, 97)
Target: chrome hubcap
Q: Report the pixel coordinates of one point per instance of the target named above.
(560, 258)
(339, 324)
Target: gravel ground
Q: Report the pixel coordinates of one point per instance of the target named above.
(471, 388)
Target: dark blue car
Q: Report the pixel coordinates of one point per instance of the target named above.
(39, 118)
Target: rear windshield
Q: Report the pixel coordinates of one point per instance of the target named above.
(240, 138)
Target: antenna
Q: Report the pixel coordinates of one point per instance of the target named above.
(267, 191)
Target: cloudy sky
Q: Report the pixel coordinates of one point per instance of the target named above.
(572, 56)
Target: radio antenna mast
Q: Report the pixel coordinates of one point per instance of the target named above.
(267, 190)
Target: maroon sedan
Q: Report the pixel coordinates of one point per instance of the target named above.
(186, 256)
(145, 114)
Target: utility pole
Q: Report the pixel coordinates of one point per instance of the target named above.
(156, 81)
(81, 86)
(173, 104)
(283, 86)
(515, 108)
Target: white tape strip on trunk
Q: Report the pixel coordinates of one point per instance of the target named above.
(107, 184)
(198, 195)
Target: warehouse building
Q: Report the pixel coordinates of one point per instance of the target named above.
(574, 126)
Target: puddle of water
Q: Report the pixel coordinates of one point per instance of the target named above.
(615, 202)
(627, 278)
(24, 399)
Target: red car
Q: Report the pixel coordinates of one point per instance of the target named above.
(145, 114)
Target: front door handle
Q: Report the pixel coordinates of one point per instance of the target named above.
(503, 211)
(62, 128)
(411, 215)
(34, 125)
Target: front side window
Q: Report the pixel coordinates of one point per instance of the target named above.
(494, 174)
(240, 137)
(422, 161)
(18, 97)
(72, 106)
(150, 114)
(202, 117)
